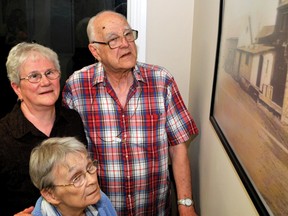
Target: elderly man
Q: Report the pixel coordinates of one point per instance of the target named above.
(134, 119)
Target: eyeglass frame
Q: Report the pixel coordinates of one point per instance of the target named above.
(28, 77)
(134, 32)
(94, 164)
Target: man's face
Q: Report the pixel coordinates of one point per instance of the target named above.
(113, 27)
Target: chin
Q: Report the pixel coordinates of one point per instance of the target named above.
(128, 61)
(95, 197)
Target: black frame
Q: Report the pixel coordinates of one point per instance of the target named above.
(257, 199)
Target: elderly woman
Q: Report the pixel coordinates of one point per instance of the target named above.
(34, 74)
(66, 177)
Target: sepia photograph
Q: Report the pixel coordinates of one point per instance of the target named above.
(249, 107)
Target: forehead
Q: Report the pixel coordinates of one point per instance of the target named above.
(71, 162)
(36, 62)
(109, 23)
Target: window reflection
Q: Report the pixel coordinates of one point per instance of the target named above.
(58, 24)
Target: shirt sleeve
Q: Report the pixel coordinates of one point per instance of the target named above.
(180, 125)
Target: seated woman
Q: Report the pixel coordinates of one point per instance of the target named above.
(66, 176)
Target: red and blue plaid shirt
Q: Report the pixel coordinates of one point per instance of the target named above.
(131, 142)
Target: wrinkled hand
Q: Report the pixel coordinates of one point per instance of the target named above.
(25, 212)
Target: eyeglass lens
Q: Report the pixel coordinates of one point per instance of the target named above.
(129, 36)
(79, 180)
(36, 76)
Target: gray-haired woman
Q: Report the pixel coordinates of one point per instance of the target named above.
(34, 74)
(66, 176)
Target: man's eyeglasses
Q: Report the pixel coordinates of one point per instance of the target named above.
(116, 42)
(36, 76)
(80, 179)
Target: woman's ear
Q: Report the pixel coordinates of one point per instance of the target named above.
(17, 90)
(50, 196)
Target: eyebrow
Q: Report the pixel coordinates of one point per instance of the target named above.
(36, 71)
(111, 34)
(71, 168)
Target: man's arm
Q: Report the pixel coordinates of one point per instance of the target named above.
(182, 176)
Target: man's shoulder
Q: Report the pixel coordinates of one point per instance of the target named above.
(152, 72)
(151, 68)
(85, 71)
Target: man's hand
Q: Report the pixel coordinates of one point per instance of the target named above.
(25, 212)
(186, 211)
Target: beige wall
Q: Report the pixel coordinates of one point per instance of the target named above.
(217, 187)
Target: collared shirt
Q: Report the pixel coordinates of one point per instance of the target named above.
(18, 137)
(131, 142)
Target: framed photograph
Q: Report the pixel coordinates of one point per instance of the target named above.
(249, 107)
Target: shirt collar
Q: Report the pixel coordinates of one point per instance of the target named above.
(24, 126)
(99, 75)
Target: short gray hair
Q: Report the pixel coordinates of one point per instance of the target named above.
(49, 154)
(21, 52)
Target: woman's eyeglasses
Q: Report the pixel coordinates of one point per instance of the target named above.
(80, 179)
(36, 76)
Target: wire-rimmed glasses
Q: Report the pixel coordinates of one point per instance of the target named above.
(80, 179)
(36, 76)
(116, 42)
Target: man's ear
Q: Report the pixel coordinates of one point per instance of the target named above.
(95, 51)
(50, 196)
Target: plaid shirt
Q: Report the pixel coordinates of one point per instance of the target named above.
(131, 142)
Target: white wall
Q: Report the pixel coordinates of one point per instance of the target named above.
(217, 187)
(169, 30)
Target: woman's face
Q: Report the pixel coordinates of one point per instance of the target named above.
(37, 95)
(71, 197)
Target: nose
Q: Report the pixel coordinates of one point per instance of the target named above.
(91, 178)
(124, 41)
(44, 80)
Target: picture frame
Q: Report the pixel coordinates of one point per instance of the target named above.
(249, 104)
